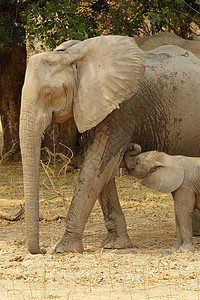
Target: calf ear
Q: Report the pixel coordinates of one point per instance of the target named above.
(167, 176)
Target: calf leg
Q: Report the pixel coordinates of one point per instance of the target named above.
(184, 201)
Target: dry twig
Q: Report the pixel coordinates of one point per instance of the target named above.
(15, 217)
(19, 214)
(13, 149)
(49, 171)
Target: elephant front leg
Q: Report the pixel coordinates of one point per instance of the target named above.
(91, 182)
(84, 198)
(114, 219)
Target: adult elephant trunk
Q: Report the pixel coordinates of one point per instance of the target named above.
(31, 128)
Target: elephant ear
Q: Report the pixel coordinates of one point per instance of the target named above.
(110, 71)
(166, 174)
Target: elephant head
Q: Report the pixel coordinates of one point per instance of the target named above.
(159, 171)
(86, 80)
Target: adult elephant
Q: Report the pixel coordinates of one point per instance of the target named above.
(151, 42)
(102, 83)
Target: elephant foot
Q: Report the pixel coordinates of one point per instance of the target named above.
(68, 244)
(114, 241)
(184, 247)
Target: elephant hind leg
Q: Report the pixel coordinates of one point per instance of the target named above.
(196, 222)
(114, 219)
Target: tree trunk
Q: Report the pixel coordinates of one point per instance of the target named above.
(12, 70)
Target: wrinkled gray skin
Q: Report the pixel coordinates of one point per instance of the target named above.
(153, 41)
(163, 115)
(179, 175)
(193, 45)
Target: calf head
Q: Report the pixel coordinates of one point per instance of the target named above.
(159, 171)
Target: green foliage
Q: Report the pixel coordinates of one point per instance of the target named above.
(11, 26)
(146, 17)
(53, 22)
(118, 17)
(176, 16)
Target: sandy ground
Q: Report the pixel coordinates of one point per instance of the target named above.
(149, 270)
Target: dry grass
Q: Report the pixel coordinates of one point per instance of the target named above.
(150, 270)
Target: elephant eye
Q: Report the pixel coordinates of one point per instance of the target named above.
(47, 92)
(137, 162)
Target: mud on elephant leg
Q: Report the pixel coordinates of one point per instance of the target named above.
(91, 183)
(84, 198)
(114, 219)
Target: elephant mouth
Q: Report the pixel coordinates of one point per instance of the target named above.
(57, 117)
(60, 116)
(53, 118)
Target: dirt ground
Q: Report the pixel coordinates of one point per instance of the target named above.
(149, 270)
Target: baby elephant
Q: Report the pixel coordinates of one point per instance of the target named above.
(179, 175)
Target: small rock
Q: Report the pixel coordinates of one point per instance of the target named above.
(20, 276)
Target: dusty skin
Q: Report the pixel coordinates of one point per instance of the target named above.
(149, 270)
